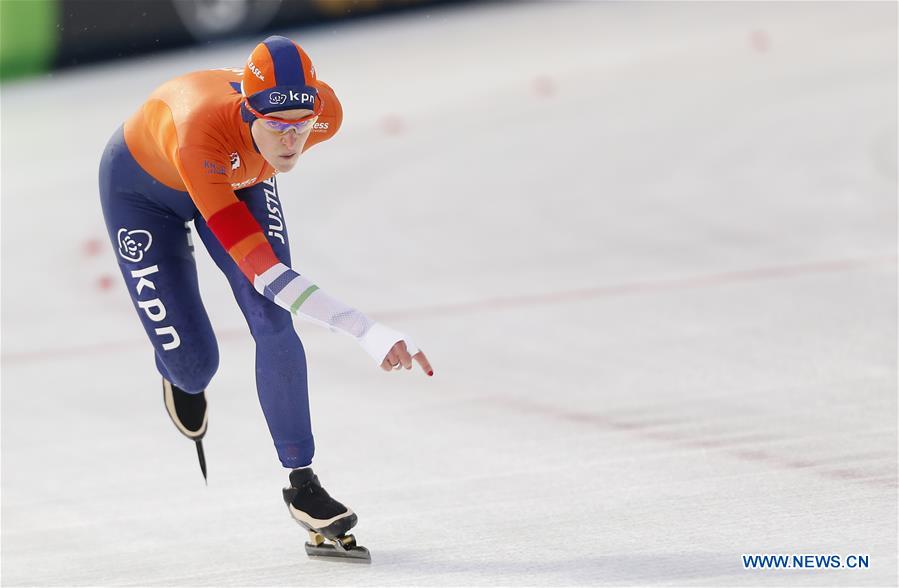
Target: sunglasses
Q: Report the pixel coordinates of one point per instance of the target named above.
(282, 125)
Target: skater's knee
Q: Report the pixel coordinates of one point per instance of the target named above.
(269, 319)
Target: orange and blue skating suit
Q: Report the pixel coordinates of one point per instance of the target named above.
(186, 155)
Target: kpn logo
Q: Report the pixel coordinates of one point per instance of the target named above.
(277, 98)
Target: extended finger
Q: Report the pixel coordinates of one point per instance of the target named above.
(422, 360)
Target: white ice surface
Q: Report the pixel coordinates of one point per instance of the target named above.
(650, 249)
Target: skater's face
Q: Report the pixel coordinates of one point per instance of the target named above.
(282, 148)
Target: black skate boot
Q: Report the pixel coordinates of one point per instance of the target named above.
(326, 519)
(188, 412)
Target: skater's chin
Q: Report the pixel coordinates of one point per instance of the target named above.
(285, 163)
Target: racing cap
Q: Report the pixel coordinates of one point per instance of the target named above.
(279, 76)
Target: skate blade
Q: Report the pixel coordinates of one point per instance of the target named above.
(329, 551)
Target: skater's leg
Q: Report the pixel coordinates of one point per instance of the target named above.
(156, 260)
(281, 383)
(280, 358)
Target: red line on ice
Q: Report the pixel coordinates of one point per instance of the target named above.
(507, 302)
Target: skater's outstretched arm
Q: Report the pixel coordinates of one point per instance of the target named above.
(240, 234)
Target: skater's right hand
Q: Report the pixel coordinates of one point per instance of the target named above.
(399, 357)
(392, 350)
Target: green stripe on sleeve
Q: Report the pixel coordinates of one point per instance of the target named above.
(299, 301)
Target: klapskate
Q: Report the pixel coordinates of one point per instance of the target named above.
(326, 519)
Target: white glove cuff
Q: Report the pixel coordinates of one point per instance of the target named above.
(378, 340)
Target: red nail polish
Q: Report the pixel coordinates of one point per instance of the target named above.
(431, 373)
